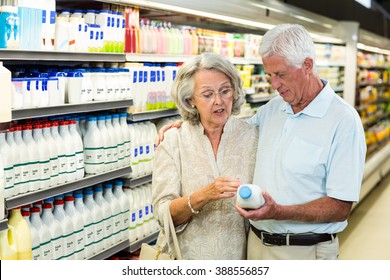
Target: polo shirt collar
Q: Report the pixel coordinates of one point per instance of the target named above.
(319, 105)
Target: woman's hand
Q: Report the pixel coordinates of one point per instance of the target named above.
(221, 188)
(160, 134)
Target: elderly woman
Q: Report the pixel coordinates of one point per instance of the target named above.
(199, 166)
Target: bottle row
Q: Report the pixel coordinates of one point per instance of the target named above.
(78, 225)
(44, 153)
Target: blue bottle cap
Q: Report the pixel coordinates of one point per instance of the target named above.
(245, 192)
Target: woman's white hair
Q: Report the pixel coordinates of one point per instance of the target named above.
(184, 85)
(290, 41)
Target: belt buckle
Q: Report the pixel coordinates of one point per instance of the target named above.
(262, 234)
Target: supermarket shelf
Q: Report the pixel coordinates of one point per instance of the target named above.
(376, 168)
(70, 109)
(88, 180)
(39, 56)
(260, 99)
(3, 224)
(155, 114)
(137, 244)
(111, 251)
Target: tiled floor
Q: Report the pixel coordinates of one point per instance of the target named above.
(367, 236)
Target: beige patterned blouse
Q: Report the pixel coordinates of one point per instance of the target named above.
(185, 162)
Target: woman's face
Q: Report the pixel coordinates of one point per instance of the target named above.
(213, 97)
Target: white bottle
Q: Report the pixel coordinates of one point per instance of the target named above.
(106, 214)
(133, 215)
(50, 6)
(70, 151)
(55, 230)
(67, 229)
(8, 165)
(53, 153)
(44, 233)
(62, 34)
(34, 159)
(113, 142)
(36, 241)
(44, 156)
(120, 140)
(250, 196)
(126, 137)
(96, 213)
(134, 156)
(125, 207)
(16, 161)
(89, 230)
(141, 140)
(62, 162)
(143, 195)
(115, 211)
(25, 167)
(78, 227)
(79, 149)
(139, 209)
(94, 154)
(108, 149)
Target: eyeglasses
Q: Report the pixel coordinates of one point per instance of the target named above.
(224, 93)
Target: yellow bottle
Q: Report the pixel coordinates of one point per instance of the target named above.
(22, 234)
(7, 244)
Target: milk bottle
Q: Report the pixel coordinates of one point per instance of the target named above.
(249, 196)
(25, 168)
(8, 249)
(89, 230)
(8, 166)
(55, 228)
(125, 207)
(70, 152)
(94, 155)
(78, 227)
(126, 137)
(62, 162)
(36, 241)
(23, 239)
(34, 157)
(108, 149)
(120, 140)
(44, 234)
(79, 149)
(115, 211)
(54, 162)
(16, 161)
(106, 214)
(67, 229)
(133, 215)
(139, 208)
(44, 155)
(97, 218)
(113, 142)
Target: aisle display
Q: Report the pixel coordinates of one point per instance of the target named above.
(110, 75)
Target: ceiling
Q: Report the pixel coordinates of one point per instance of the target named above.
(376, 19)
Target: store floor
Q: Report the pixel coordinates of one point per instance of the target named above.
(367, 236)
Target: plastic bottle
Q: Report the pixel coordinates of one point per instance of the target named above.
(50, 6)
(133, 215)
(125, 207)
(9, 27)
(120, 140)
(8, 249)
(16, 160)
(23, 239)
(96, 213)
(108, 149)
(34, 158)
(89, 231)
(67, 229)
(25, 167)
(36, 241)
(70, 152)
(94, 155)
(113, 142)
(134, 156)
(79, 149)
(249, 196)
(78, 227)
(8, 166)
(44, 156)
(139, 209)
(53, 153)
(62, 34)
(44, 233)
(62, 161)
(106, 214)
(146, 225)
(115, 211)
(74, 83)
(57, 240)
(126, 136)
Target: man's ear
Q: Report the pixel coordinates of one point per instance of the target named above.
(308, 64)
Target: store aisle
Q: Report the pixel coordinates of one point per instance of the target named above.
(367, 236)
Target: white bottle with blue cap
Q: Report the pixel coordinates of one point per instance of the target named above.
(250, 196)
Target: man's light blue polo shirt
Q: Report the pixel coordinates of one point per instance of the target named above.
(317, 152)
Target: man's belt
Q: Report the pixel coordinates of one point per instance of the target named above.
(291, 239)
